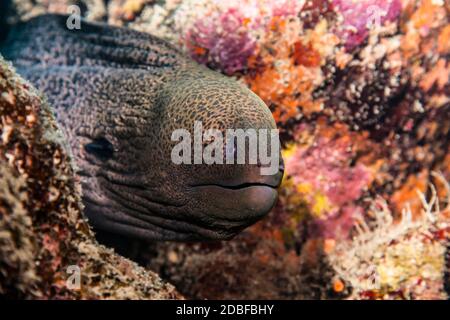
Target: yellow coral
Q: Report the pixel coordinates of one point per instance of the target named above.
(321, 205)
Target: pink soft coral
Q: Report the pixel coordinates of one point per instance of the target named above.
(331, 184)
(284, 8)
(221, 42)
(224, 39)
(326, 166)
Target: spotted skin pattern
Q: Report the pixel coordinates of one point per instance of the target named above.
(118, 95)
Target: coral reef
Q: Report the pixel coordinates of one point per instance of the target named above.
(44, 238)
(360, 92)
(402, 259)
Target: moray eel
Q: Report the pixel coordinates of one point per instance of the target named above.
(118, 94)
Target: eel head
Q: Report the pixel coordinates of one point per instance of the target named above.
(134, 186)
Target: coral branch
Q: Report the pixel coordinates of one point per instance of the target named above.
(376, 262)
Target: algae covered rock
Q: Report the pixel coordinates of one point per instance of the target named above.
(47, 249)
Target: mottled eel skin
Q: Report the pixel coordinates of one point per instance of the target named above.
(118, 94)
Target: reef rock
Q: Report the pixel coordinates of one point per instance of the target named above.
(47, 249)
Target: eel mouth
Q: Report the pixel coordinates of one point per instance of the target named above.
(218, 210)
(252, 180)
(241, 186)
(241, 202)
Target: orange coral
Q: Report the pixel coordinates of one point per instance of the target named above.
(439, 75)
(292, 69)
(444, 40)
(306, 55)
(427, 15)
(407, 194)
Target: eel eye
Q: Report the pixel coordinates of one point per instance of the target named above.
(100, 148)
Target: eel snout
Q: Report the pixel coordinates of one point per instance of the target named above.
(243, 200)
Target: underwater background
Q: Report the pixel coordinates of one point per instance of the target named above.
(360, 92)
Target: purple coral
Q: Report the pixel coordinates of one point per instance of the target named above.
(284, 8)
(222, 39)
(326, 167)
(360, 16)
(221, 42)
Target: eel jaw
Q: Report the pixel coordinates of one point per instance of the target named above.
(235, 205)
(244, 204)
